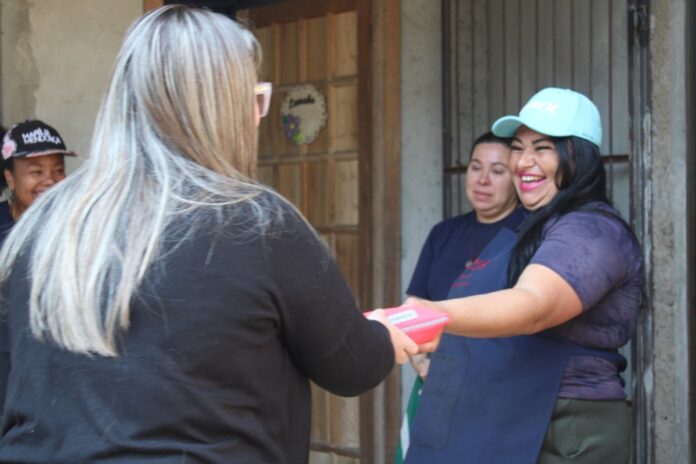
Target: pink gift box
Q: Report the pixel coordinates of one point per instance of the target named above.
(419, 323)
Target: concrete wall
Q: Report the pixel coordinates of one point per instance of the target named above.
(421, 136)
(668, 227)
(55, 61)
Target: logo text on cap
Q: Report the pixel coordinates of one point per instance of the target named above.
(40, 135)
(548, 107)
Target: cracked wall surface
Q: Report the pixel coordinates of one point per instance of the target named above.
(668, 226)
(421, 138)
(56, 59)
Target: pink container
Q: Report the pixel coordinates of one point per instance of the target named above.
(421, 324)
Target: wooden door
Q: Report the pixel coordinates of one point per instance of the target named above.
(313, 42)
(347, 181)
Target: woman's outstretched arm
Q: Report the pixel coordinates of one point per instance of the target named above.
(541, 299)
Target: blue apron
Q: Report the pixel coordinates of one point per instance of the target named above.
(490, 401)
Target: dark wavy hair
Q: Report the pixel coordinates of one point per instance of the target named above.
(581, 180)
(489, 137)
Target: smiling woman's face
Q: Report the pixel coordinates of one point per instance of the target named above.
(534, 163)
(31, 177)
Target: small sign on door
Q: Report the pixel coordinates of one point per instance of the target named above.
(303, 114)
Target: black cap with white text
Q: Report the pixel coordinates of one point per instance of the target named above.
(32, 138)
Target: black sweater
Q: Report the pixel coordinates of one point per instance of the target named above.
(225, 333)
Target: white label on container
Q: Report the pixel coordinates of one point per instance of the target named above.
(403, 316)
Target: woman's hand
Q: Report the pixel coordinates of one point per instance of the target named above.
(421, 363)
(430, 346)
(402, 343)
(415, 301)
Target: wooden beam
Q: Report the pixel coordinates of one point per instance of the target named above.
(151, 5)
(370, 413)
(263, 16)
(387, 141)
(379, 52)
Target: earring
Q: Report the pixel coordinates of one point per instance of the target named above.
(11, 197)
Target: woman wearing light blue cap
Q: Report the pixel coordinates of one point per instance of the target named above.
(529, 372)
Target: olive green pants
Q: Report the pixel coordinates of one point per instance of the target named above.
(588, 432)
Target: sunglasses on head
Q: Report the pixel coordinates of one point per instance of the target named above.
(263, 91)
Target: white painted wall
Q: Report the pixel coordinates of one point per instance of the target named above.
(56, 59)
(667, 379)
(421, 137)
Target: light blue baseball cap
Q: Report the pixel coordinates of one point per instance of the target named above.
(558, 113)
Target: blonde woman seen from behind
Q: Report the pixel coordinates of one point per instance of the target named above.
(161, 306)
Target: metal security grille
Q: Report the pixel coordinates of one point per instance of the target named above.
(498, 53)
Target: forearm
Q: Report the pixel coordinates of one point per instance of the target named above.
(540, 300)
(499, 314)
(358, 363)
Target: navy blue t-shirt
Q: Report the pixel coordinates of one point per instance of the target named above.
(449, 246)
(6, 221)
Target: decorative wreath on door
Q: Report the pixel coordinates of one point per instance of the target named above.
(303, 114)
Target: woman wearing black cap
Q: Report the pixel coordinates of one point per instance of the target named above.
(32, 162)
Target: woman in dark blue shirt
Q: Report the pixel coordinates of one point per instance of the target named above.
(455, 244)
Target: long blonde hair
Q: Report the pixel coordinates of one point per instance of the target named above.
(175, 135)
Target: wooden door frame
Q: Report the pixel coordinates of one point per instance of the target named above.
(641, 167)
(379, 64)
(379, 160)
